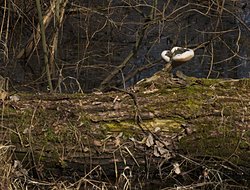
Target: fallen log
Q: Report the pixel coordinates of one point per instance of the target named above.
(145, 130)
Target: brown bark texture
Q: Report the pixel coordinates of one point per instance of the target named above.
(143, 128)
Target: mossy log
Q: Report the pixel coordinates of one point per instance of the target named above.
(160, 119)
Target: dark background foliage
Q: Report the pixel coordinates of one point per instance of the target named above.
(106, 42)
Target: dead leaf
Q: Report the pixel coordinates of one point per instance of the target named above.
(3, 95)
(97, 143)
(176, 169)
(14, 98)
(167, 143)
(162, 150)
(156, 153)
(86, 149)
(157, 129)
(120, 135)
(117, 142)
(26, 131)
(150, 140)
(159, 144)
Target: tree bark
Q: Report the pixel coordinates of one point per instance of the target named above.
(159, 120)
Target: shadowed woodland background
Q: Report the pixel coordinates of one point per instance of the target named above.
(93, 44)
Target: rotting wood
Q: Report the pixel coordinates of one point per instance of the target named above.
(81, 131)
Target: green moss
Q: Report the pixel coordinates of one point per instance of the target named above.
(14, 138)
(214, 141)
(128, 128)
(50, 136)
(193, 105)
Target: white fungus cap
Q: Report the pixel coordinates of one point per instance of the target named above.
(185, 56)
(165, 56)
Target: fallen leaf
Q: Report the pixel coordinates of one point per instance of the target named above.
(162, 151)
(156, 153)
(97, 143)
(176, 169)
(150, 140)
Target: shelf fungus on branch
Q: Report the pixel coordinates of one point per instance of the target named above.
(178, 55)
(174, 58)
